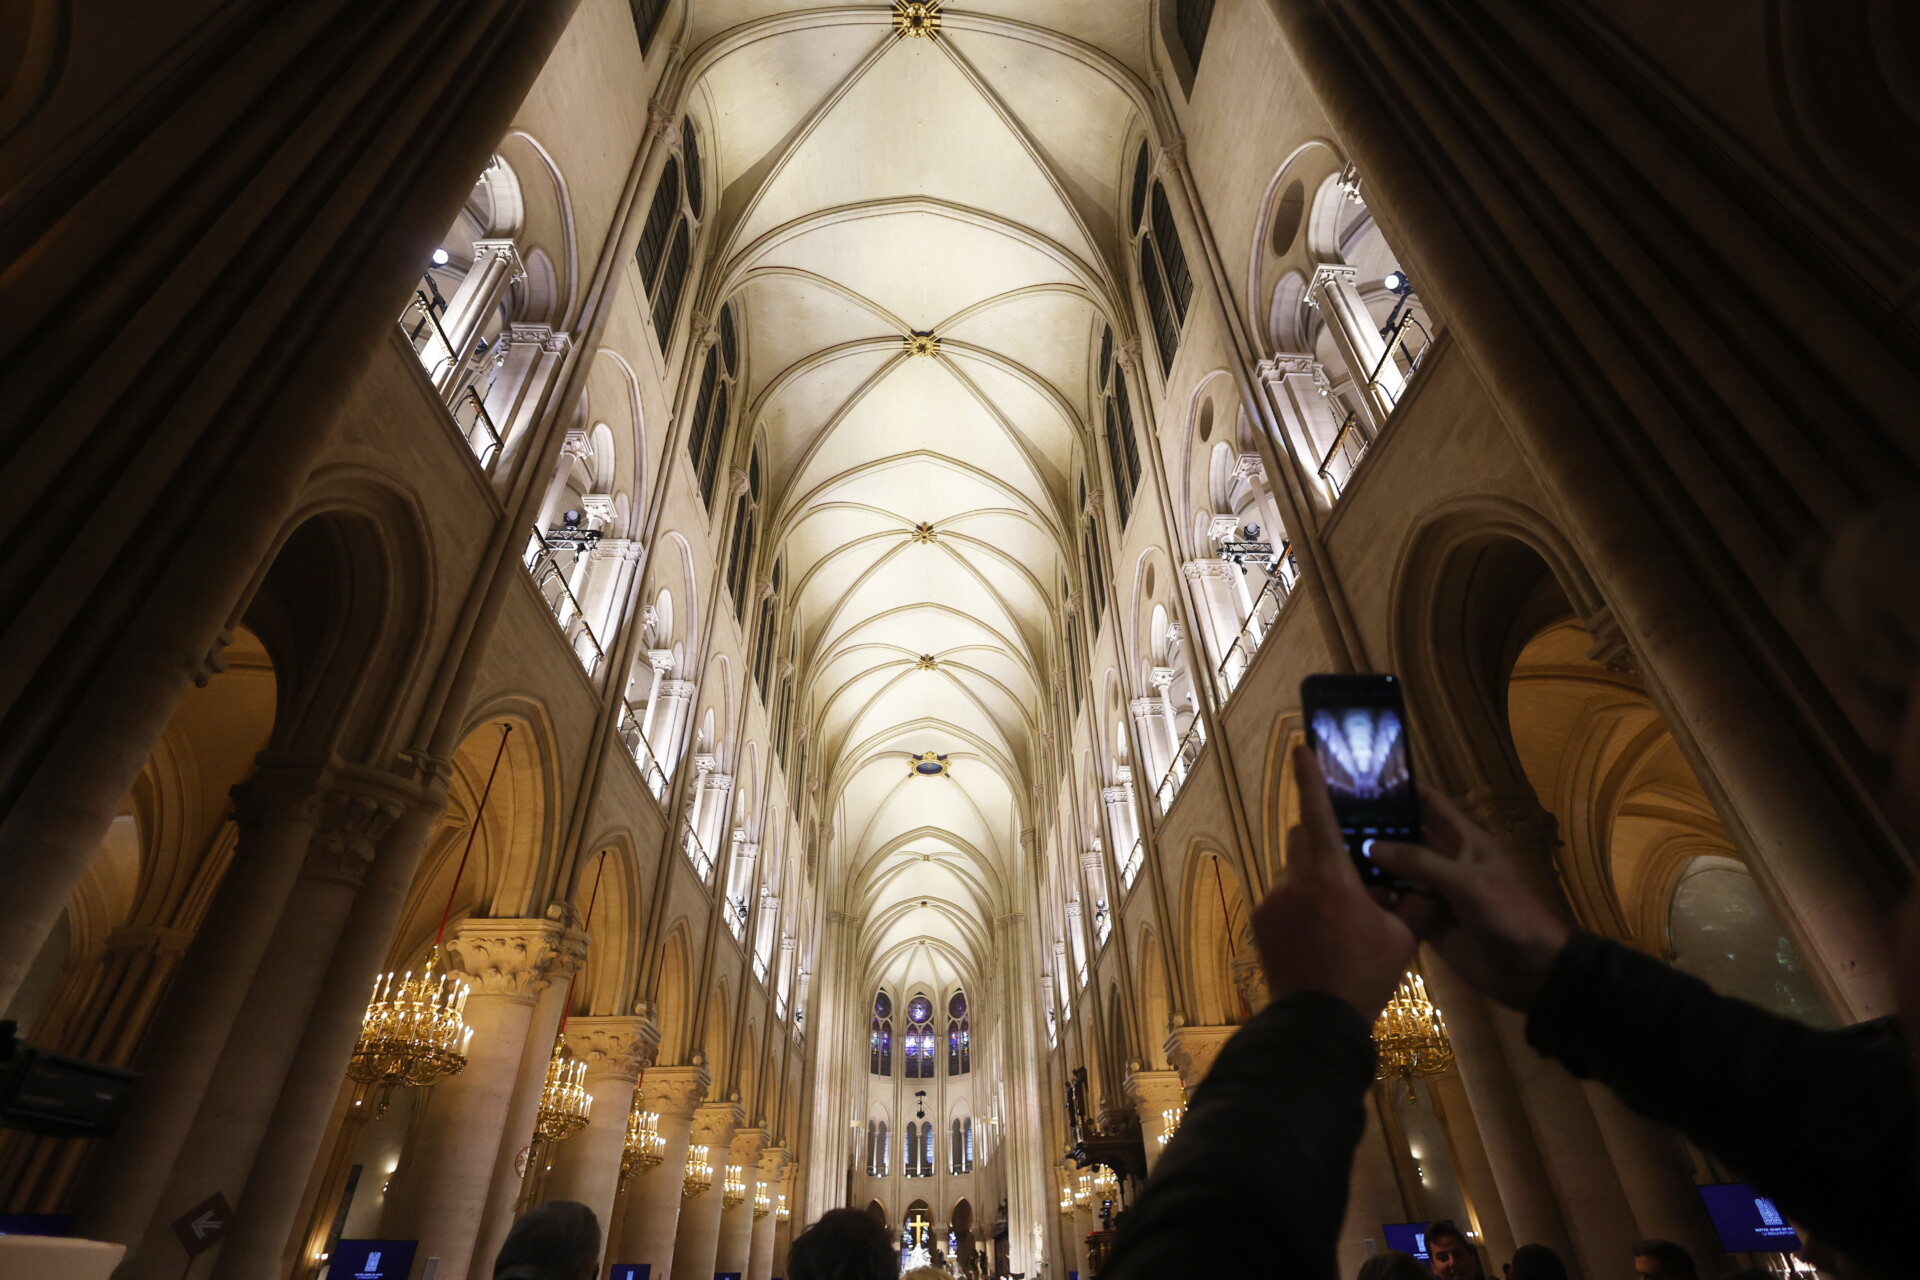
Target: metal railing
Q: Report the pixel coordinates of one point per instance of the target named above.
(1260, 618)
(1184, 755)
(1349, 446)
(550, 580)
(483, 437)
(696, 852)
(420, 321)
(1131, 864)
(1398, 335)
(642, 751)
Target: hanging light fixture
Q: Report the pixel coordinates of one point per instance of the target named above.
(781, 1213)
(1410, 1035)
(699, 1179)
(415, 1029)
(1083, 1189)
(762, 1205)
(644, 1147)
(1106, 1187)
(1170, 1123)
(733, 1187)
(565, 1104)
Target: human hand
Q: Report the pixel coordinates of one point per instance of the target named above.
(1488, 926)
(1321, 929)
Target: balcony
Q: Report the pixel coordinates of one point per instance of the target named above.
(420, 324)
(1184, 756)
(1260, 619)
(1407, 342)
(644, 756)
(1131, 864)
(696, 852)
(550, 580)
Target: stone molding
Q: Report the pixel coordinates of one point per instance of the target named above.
(713, 1126)
(773, 1163)
(1201, 570)
(1284, 364)
(1152, 1092)
(515, 958)
(746, 1147)
(675, 1090)
(613, 1046)
(1253, 467)
(1330, 275)
(1192, 1050)
(1145, 708)
(353, 818)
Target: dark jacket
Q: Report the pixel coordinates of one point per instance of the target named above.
(1824, 1122)
(1261, 1163)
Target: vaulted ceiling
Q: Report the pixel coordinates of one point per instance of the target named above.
(922, 506)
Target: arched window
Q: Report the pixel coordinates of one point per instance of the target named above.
(926, 1150)
(880, 1040)
(665, 253)
(919, 1039)
(910, 1150)
(763, 642)
(745, 534)
(1093, 561)
(1123, 450)
(1192, 18)
(877, 1148)
(959, 1036)
(960, 1145)
(1164, 276)
(646, 20)
(709, 430)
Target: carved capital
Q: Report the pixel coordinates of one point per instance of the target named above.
(678, 689)
(1096, 496)
(1200, 570)
(1152, 1092)
(763, 587)
(597, 508)
(1192, 1050)
(504, 250)
(1146, 708)
(746, 1147)
(1518, 822)
(1072, 604)
(576, 445)
(352, 819)
(1610, 647)
(713, 1126)
(739, 481)
(1173, 157)
(1115, 795)
(660, 119)
(1285, 364)
(1162, 677)
(773, 1164)
(1252, 467)
(1129, 353)
(613, 1046)
(516, 958)
(1329, 275)
(676, 1090)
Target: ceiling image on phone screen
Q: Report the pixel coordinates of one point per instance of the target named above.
(1362, 751)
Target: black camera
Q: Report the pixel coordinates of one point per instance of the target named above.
(57, 1096)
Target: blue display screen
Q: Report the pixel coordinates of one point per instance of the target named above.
(1407, 1237)
(36, 1224)
(371, 1260)
(631, 1271)
(1747, 1222)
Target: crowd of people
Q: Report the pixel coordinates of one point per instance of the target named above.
(1270, 1134)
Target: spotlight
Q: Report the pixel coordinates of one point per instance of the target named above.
(440, 259)
(1397, 282)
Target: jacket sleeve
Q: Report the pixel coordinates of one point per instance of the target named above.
(1265, 1152)
(1823, 1122)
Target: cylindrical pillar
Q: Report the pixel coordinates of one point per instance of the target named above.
(697, 1243)
(496, 264)
(651, 1219)
(587, 1166)
(773, 1165)
(1374, 1197)
(278, 813)
(439, 1194)
(736, 1224)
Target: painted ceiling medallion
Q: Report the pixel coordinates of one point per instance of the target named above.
(929, 765)
(927, 662)
(916, 19)
(923, 534)
(921, 344)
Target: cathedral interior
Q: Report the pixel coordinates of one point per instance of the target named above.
(698, 605)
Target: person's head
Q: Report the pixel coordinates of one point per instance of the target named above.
(558, 1240)
(1663, 1260)
(845, 1244)
(1450, 1254)
(925, 1273)
(1536, 1262)
(1393, 1265)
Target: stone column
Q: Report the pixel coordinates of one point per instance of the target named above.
(528, 357)
(1647, 1157)
(496, 265)
(697, 1244)
(278, 812)
(736, 1224)
(267, 1210)
(1028, 1207)
(1374, 1197)
(773, 1168)
(217, 1152)
(576, 444)
(1526, 1195)
(659, 667)
(1153, 739)
(1296, 390)
(1153, 1093)
(1123, 829)
(587, 1165)
(1212, 580)
(440, 1191)
(361, 142)
(676, 704)
(1335, 292)
(652, 1215)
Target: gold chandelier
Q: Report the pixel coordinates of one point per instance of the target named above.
(733, 1187)
(780, 1211)
(1083, 1189)
(699, 1179)
(565, 1104)
(1170, 1123)
(1410, 1035)
(762, 1205)
(644, 1147)
(1066, 1197)
(415, 1030)
(1106, 1186)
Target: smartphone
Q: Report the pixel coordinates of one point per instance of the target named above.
(1357, 727)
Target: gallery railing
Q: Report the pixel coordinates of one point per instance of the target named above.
(1261, 616)
(550, 580)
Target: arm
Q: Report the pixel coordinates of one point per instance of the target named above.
(1267, 1146)
(1824, 1122)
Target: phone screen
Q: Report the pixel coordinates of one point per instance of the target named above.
(1358, 729)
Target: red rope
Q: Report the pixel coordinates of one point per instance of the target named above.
(593, 899)
(440, 934)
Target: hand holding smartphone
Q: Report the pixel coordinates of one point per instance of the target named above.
(1357, 728)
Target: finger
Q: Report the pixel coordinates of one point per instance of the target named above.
(1323, 849)
(1447, 828)
(1424, 915)
(1424, 868)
